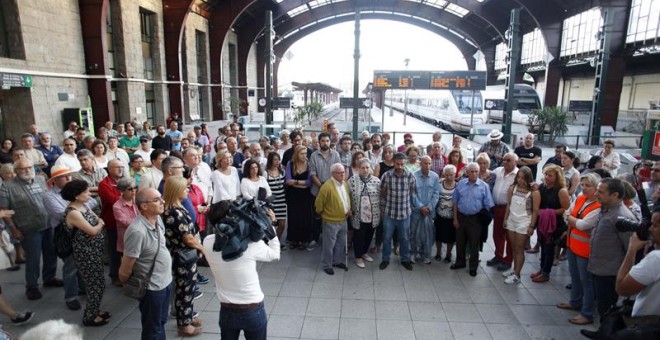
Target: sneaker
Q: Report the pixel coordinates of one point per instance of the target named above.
(22, 318)
(512, 280)
(283, 247)
(312, 245)
(201, 279)
(198, 294)
(412, 260)
(73, 304)
(507, 273)
(367, 258)
(427, 261)
(493, 262)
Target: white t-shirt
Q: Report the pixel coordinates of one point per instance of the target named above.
(250, 189)
(647, 272)
(225, 187)
(237, 281)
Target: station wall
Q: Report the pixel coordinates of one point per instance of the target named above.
(50, 48)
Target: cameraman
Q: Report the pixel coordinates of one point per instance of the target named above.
(239, 292)
(608, 246)
(643, 278)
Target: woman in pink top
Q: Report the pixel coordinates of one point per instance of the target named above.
(125, 209)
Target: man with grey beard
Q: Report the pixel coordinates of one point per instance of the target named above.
(25, 195)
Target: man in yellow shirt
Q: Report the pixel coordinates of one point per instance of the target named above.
(334, 206)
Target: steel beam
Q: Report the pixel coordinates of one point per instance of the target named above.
(175, 13)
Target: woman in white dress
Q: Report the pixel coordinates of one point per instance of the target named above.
(226, 184)
(520, 219)
(253, 181)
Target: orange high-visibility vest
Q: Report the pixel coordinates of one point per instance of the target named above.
(578, 240)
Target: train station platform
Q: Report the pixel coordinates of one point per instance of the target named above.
(302, 302)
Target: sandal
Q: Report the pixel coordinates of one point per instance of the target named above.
(532, 251)
(438, 258)
(580, 320)
(535, 274)
(541, 278)
(448, 259)
(95, 323)
(105, 315)
(566, 305)
(182, 332)
(197, 323)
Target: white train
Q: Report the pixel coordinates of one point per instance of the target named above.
(452, 109)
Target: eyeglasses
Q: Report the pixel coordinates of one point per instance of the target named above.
(338, 172)
(131, 188)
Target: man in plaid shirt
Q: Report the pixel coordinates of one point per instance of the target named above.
(397, 187)
(495, 149)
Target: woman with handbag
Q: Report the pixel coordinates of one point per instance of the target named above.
(179, 234)
(88, 241)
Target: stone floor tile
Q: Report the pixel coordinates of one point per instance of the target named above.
(531, 315)
(290, 306)
(392, 310)
(391, 291)
(461, 312)
(296, 274)
(546, 332)
(469, 331)
(296, 289)
(432, 330)
(426, 311)
(486, 295)
(549, 297)
(358, 309)
(516, 296)
(270, 287)
(496, 314)
(394, 329)
(458, 294)
(326, 290)
(211, 322)
(320, 328)
(357, 329)
(362, 291)
(324, 307)
(507, 332)
(286, 326)
(421, 292)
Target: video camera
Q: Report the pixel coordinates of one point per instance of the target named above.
(247, 221)
(641, 228)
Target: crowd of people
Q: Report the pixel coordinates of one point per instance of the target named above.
(139, 197)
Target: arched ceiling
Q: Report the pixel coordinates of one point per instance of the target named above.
(482, 23)
(466, 48)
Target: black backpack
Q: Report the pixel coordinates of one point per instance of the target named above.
(62, 238)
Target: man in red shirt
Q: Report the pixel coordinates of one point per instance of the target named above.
(109, 194)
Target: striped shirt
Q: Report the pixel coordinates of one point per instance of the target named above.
(398, 192)
(277, 188)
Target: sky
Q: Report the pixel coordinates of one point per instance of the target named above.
(327, 55)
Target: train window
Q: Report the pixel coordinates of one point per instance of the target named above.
(527, 103)
(466, 99)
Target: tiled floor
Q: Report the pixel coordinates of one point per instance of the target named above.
(431, 302)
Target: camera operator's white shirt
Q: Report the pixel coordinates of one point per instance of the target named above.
(237, 281)
(647, 272)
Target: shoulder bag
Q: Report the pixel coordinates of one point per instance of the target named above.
(136, 287)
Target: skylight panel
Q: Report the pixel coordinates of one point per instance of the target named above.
(456, 10)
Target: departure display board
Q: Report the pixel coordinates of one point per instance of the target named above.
(430, 80)
(416, 80)
(458, 80)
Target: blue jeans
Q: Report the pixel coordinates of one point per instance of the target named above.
(402, 228)
(582, 286)
(37, 245)
(154, 308)
(70, 278)
(254, 323)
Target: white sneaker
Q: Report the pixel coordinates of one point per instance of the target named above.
(359, 263)
(367, 258)
(507, 273)
(311, 246)
(512, 280)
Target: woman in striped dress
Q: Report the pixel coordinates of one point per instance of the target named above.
(274, 175)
